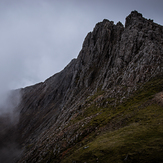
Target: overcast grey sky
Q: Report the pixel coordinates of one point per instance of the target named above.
(40, 37)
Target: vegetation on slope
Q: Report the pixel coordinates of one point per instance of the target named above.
(130, 132)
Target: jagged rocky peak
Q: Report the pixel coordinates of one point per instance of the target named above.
(98, 43)
(133, 18)
(120, 55)
(102, 30)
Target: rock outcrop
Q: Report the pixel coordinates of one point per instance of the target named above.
(114, 59)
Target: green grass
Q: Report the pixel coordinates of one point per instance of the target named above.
(142, 141)
(134, 130)
(92, 109)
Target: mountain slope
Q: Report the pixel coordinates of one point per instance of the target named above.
(130, 132)
(89, 110)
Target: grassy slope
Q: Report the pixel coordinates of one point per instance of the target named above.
(130, 132)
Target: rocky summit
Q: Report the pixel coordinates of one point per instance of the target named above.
(104, 106)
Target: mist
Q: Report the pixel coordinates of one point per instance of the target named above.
(9, 118)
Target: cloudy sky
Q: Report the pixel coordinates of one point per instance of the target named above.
(40, 37)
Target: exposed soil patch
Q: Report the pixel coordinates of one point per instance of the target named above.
(159, 98)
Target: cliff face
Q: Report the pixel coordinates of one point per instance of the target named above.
(115, 61)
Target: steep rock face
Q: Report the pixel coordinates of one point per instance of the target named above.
(114, 59)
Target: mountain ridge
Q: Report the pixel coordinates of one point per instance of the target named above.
(59, 116)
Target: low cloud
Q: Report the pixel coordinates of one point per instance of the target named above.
(9, 152)
(9, 117)
(9, 102)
